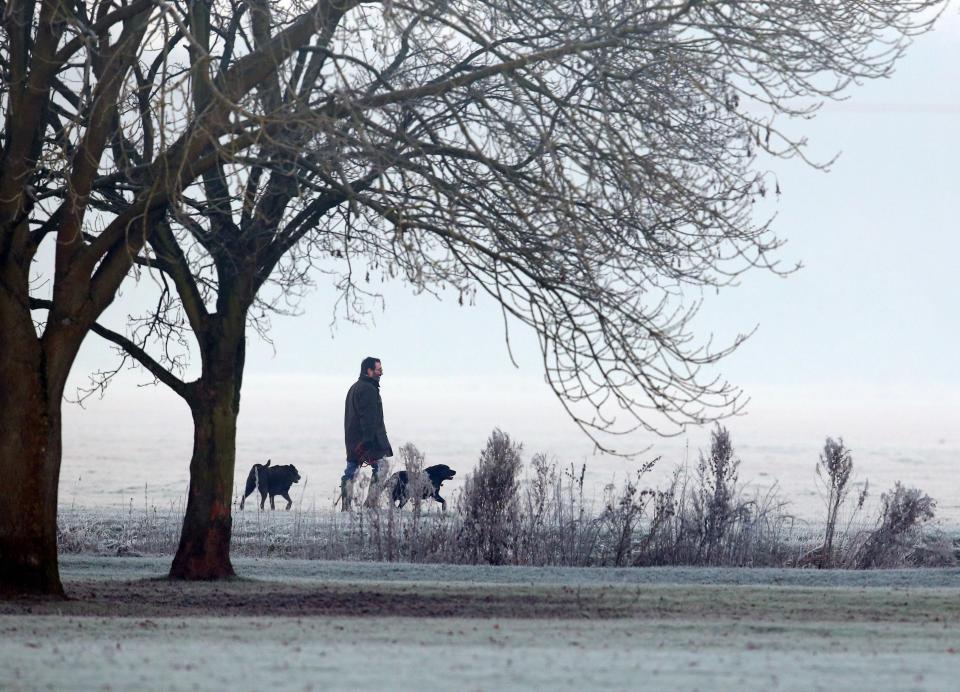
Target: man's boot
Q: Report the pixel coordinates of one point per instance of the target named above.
(380, 469)
(345, 488)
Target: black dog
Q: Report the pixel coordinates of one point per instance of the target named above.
(272, 480)
(431, 479)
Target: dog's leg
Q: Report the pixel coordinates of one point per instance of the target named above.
(396, 490)
(443, 503)
(263, 499)
(272, 506)
(286, 497)
(346, 494)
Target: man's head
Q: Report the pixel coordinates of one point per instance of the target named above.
(371, 367)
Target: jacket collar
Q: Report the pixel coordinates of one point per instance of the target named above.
(370, 380)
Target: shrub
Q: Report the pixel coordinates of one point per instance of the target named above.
(490, 502)
(714, 509)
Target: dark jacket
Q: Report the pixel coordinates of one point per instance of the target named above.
(363, 421)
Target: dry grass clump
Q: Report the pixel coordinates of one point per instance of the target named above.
(898, 537)
(536, 505)
(151, 529)
(412, 459)
(834, 472)
(623, 512)
(835, 468)
(509, 513)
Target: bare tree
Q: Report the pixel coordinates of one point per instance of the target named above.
(585, 163)
(592, 167)
(96, 117)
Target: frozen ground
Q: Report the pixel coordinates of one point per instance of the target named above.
(293, 624)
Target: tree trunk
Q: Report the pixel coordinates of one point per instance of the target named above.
(204, 550)
(30, 447)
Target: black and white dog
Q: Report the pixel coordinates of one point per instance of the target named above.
(430, 480)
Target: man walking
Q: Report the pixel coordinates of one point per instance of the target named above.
(364, 431)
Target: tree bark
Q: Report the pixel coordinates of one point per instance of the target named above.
(30, 447)
(204, 550)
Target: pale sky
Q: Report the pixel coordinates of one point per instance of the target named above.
(862, 341)
(876, 302)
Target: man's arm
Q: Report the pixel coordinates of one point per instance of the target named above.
(369, 414)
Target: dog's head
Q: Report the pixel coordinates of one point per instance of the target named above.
(440, 473)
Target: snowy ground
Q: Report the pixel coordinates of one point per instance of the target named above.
(292, 624)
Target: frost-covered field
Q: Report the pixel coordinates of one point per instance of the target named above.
(115, 454)
(305, 624)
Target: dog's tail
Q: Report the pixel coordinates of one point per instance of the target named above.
(252, 479)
